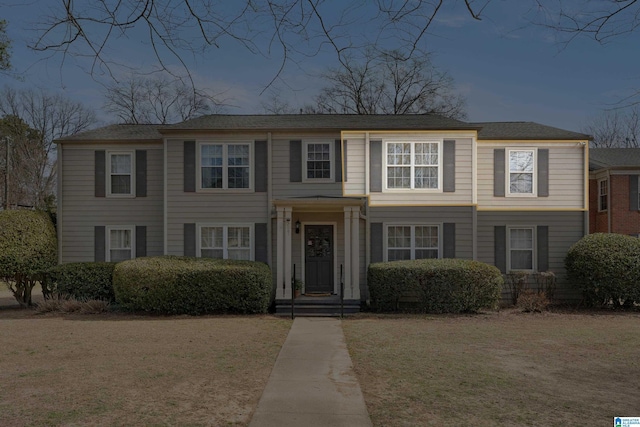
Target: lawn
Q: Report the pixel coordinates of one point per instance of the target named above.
(502, 368)
(124, 370)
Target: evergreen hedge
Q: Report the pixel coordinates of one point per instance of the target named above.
(434, 285)
(84, 281)
(183, 285)
(606, 268)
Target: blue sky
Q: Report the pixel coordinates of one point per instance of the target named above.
(507, 69)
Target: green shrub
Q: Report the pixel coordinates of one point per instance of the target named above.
(84, 280)
(181, 285)
(606, 268)
(434, 285)
(28, 248)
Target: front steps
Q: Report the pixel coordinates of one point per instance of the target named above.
(313, 306)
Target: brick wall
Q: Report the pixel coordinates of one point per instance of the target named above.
(623, 220)
(598, 221)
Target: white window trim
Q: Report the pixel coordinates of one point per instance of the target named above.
(385, 165)
(107, 238)
(332, 175)
(132, 194)
(385, 237)
(600, 181)
(225, 175)
(534, 180)
(534, 257)
(225, 237)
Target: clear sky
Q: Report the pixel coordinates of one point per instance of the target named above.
(508, 69)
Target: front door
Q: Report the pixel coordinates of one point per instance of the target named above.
(318, 267)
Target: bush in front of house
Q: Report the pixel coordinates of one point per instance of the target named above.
(606, 268)
(434, 285)
(83, 281)
(183, 285)
(28, 249)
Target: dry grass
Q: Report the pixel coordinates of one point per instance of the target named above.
(498, 369)
(123, 370)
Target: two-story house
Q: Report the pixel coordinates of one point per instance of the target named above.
(613, 183)
(325, 195)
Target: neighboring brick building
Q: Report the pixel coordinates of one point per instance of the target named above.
(614, 205)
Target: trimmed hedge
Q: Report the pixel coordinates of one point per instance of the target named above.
(434, 285)
(84, 281)
(183, 285)
(606, 268)
(28, 249)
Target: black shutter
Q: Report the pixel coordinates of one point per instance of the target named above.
(99, 243)
(376, 242)
(295, 161)
(190, 240)
(498, 172)
(543, 248)
(261, 166)
(141, 241)
(449, 166)
(261, 242)
(500, 247)
(633, 192)
(141, 173)
(100, 171)
(375, 166)
(449, 240)
(338, 157)
(543, 173)
(189, 166)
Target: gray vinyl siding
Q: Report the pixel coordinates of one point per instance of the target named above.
(221, 207)
(565, 229)
(461, 216)
(282, 185)
(82, 211)
(566, 178)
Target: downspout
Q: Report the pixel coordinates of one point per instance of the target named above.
(367, 226)
(609, 206)
(474, 197)
(165, 207)
(59, 209)
(269, 201)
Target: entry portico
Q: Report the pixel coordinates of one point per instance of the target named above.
(319, 235)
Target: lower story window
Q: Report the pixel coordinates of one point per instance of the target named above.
(521, 248)
(225, 241)
(412, 242)
(120, 243)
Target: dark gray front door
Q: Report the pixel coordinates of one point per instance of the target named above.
(318, 265)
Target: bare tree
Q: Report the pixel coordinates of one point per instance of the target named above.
(276, 104)
(46, 117)
(390, 83)
(157, 100)
(616, 129)
(291, 29)
(5, 48)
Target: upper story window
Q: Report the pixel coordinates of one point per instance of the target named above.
(412, 242)
(603, 195)
(521, 172)
(120, 243)
(225, 241)
(225, 166)
(413, 165)
(318, 164)
(521, 248)
(120, 179)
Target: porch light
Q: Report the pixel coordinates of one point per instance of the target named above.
(298, 227)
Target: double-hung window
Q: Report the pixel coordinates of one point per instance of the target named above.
(521, 172)
(225, 166)
(120, 173)
(318, 163)
(413, 165)
(225, 241)
(120, 243)
(603, 194)
(412, 242)
(521, 248)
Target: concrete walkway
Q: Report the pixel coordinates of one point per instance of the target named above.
(312, 382)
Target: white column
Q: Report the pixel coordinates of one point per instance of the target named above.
(347, 251)
(287, 252)
(355, 254)
(279, 253)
